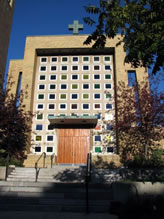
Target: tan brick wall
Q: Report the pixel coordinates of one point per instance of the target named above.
(6, 16)
(32, 159)
(106, 161)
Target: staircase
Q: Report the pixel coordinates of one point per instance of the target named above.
(60, 189)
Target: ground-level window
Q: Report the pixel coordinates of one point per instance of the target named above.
(98, 149)
(37, 149)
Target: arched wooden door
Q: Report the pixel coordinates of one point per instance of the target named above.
(73, 146)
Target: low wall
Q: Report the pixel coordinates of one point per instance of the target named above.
(124, 191)
(32, 158)
(106, 161)
(3, 172)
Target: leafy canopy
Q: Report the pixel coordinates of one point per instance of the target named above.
(141, 24)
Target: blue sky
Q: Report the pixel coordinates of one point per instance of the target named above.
(44, 17)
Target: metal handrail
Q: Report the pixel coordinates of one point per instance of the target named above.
(52, 157)
(87, 180)
(36, 165)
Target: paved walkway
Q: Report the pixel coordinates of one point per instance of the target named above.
(52, 215)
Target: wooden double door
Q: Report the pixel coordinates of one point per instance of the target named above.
(73, 146)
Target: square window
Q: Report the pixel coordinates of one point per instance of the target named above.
(108, 127)
(62, 106)
(37, 149)
(50, 138)
(43, 68)
(85, 77)
(63, 86)
(85, 86)
(50, 127)
(85, 96)
(96, 67)
(63, 77)
(38, 138)
(39, 127)
(107, 67)
(96, 86)
(73, 106)
(107, 58)
(74, 86)
(63, 96)
(74, 77)
(98, 127)
(75, 68)
(52, 86)
(51, 106)
(108, 106)
(53, 68)
(96, 58)
(97, 106)
(107, 77)
(108, 96)
(64, 67)
(98, 150)
(85, 67)
(43, 59)
(64, 59)
(49, 149)
(110, 149)
(96, 96)
(85, 106)
(96, 77)
(98, 115)
(42, 77)
(41, 86)
(54, 59)
(40, 106)
(52, 96)
(74, 96)
(53, 77)
(39, 116)
(108, 86)
(40, 96)
(86, 59)
(108, 116)
(75, 59)
(97, 137)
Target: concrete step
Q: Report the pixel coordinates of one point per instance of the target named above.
(52, 215)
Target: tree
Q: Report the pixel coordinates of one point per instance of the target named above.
(140, 122)
(14, 123)
(141, 25)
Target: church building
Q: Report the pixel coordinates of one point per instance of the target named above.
(72, 90)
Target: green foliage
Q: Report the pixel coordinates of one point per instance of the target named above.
(155, 161)
(140, 24)
(14, 161)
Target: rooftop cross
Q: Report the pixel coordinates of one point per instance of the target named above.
(75, 27)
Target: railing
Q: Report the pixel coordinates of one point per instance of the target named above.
(52, 157)
(36, 165)
(87, 180)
